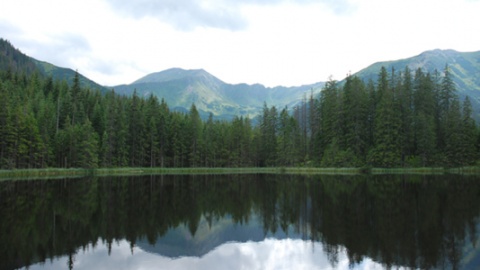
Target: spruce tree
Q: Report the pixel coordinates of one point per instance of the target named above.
(329, 118)
(446, 96)
(406, 111)
(453, 136)
(424, 118)
(386, 151)
(469, 134)
(355, 103)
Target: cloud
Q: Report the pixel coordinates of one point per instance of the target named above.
(59, 49)
(63, 49)
(185, 14)
(224, 14)
(8, 30)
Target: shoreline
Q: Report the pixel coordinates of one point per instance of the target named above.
(78, 172)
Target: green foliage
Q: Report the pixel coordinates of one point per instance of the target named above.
(397, 121)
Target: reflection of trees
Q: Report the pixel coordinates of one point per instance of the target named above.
(415, 221)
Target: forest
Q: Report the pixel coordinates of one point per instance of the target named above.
(404, 119)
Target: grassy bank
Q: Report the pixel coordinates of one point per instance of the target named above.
(57, 173)
(53, 173)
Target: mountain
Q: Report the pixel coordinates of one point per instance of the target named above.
(464, 66)
(67, 74)
(181, 88)
(14, 60)
(180, 242)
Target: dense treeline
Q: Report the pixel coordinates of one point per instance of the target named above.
(404, 119)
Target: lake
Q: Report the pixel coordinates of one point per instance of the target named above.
(250, 221)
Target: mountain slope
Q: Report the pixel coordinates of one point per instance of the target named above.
(464, 66)
(67, 74)
(17, 62)
(180, 88)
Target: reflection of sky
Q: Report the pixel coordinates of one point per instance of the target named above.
(267, 254)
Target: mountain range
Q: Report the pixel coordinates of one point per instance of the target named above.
(181, 88)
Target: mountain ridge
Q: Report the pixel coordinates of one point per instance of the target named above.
(16, 61)
(181, 88)
(220, 98)
(464, 66)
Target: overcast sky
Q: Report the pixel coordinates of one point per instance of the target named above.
(273, 42)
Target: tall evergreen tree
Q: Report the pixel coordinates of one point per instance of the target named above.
(424, 118)
(469, 134)
(194, 134)
(136, 134)
(268, 140)
(355, 117)
(329, 117)
(446, 96)
(406, 111)
(88, 150)
(387, 150)
(453, 135)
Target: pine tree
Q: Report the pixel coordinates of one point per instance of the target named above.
(88, 146)
(386, 151)
(194, 132)
(151, 112)
(453, 135)
(446, 96)
(288, 139)
(136, 131)
(268, 140)
(406, 111)
(469, 134)
(5, 129)
(355, 103)
(76, 99)
(162, 126)
(329, 118)
(424, 118)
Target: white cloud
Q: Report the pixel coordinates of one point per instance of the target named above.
(274, 42)
(267, 254)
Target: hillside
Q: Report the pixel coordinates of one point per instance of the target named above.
(464, 66)
(17, 62)
(180, 88)
(43, 126)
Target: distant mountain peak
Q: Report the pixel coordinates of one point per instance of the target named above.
(173, 74)
(440, 54)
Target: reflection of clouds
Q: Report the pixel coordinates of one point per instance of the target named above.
(267, 254)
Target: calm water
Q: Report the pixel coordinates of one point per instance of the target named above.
(241, 222)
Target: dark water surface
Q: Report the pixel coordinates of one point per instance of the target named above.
(241, 222)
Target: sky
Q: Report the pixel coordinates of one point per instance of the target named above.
(272, 42)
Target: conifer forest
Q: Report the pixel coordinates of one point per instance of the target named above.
(407, 118)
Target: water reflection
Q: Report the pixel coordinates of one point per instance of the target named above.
(251, 220)
(266, 254)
